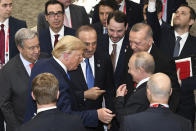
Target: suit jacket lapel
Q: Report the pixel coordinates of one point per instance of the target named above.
(48, 40)
(73, 19)
(121, 58)
(21, 69)
(11, 35)
(186, 48)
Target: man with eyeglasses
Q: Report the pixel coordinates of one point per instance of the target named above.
(74, 16)
(54, 14)
(14, 77)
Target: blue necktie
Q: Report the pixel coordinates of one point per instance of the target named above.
(89, 74)
(68, 76)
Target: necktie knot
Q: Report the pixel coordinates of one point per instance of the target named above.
(86, 61)
(2, 26)
(114, 46)
(31, 65)
(177, 47)
(56, 39)
(179, 38)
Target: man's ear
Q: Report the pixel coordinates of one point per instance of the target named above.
(191, 22)
(170, 92)
(32, 95)
(58, 93)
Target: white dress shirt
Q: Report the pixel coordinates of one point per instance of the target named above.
(6, 26)
(67, 13)
(118, 48)
(45, 109)
(183, 40)
(60, 33)
(142, 81)
(26, 64)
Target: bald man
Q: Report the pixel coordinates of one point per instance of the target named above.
(157, 116)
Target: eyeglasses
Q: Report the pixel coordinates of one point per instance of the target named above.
(52, 14)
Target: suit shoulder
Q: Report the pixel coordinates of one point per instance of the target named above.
(17, 21)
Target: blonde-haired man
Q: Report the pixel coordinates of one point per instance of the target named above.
(67, 55)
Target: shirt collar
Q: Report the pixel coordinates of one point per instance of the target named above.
(61, 64)
(61, 32)
(184, 36)
(90, 59)
(142, 81)
(165, 105)
(45, 109)
(5, 23)
(118, 43)
(149, 49)
(24, 61)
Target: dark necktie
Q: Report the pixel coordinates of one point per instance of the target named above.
(89, 74)
(68, 76)
(2, 45)
(56, 39)
(113, 56)
(177, 47)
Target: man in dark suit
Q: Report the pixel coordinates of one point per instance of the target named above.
(76, 16)
(54, 13)
(14, 77)
(141, 40)
(101, 75)
(130, 8)
(158, 117)
(45, 91)
(67, 55)
(116, 42)
(105, 7)
(9, 26)
(141, 67)
(185, 47)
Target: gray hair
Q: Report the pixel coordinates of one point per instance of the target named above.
(141, 26)
(24, 34)
(144, 60)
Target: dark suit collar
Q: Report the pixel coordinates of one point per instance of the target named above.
(143, 85)
(158, 110)
(19, 65)
(46, 113)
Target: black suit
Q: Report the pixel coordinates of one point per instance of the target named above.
(155, 119)
(134, 13)
(167, 44)
(132, 103)
(53, 120)
(14, 26)
(118, 74)
(14, 85)
(162, 64)
(101, 80)
(45, 39)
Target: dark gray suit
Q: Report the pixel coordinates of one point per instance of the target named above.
(155, 119)
(53, 120)
(78, 17)
(14, 86)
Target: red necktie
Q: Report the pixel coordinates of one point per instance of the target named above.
(2, 45)
(56, 39)
(31, 65)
